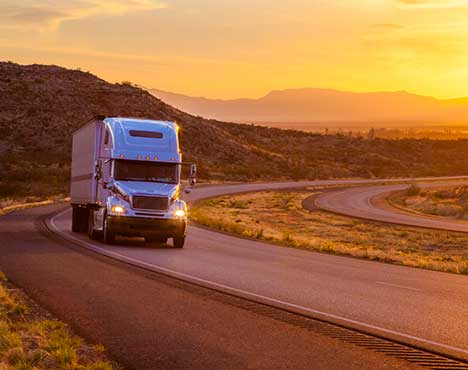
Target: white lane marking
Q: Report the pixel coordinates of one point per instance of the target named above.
(245, 294)
(398, 286)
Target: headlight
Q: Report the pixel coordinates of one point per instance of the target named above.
(180, 213)
(118, 209)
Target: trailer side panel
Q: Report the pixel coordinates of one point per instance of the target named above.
(85, 152)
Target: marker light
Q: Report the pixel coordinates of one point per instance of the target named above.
(139, 156)
(121, 156)
(180, 213)
(118, 209)
(148, 158)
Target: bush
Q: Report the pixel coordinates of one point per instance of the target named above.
(413, 190)
(444, 194)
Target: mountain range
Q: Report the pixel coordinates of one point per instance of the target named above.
(326, 107)
(42, 105)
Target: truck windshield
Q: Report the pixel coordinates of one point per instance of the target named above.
(146, 171)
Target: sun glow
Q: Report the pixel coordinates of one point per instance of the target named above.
(247, 48)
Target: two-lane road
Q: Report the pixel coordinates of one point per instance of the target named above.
(368, 202)
(417, 306)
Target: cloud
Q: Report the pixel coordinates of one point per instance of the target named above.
(432, 4)
(49, 14)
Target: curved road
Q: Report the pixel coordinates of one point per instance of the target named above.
(415, 306)
(369, 203)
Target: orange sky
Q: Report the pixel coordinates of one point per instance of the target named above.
(244, 48)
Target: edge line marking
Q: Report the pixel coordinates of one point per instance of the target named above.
(245, 294)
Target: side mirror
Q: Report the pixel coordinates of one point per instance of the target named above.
(193, 175)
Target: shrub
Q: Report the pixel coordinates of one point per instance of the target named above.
(413, 190)
(444, 194)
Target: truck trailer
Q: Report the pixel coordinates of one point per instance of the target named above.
(126, 180)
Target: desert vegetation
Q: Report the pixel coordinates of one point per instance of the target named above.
(451, 202)
(31, 340)
(8, 205)
(278, 217)
(43, 105)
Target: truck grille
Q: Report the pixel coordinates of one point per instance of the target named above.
(153, 203)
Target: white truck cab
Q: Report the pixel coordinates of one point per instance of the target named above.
(126, 180)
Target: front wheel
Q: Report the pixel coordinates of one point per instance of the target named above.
(108, 236)
(178, 242)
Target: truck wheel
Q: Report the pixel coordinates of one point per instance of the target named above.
(79, 219)
(108, 236)
(178, 241)
(92, 234)
(156, 239)
(83, 215)
(75, 220)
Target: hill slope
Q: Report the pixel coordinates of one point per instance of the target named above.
(40, 107)
(385, 109)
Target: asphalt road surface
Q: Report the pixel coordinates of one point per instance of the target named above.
(148, 321)
(369, 203)
(414, 305)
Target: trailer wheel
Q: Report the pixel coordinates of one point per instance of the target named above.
(83, 213)
(75, 219)
(108, 236)
(80, 219)
(178, 241)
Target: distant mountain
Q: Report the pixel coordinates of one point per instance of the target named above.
(41, 106)
(331, 107)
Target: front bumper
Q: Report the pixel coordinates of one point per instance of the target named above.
(143, 226)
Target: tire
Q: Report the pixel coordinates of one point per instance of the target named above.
(75, 220)
(79, 219)
(108, 237)
(92, 234)
(178, 241)
(83, 214)
(156, 239)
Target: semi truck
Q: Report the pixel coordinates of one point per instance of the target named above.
(126, 180)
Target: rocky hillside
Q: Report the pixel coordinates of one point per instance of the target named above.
(41, 106)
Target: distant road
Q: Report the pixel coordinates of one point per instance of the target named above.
(204, 192)
(421, 307)
(369, 203)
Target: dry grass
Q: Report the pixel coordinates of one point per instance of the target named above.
(451, 201)
(8, 205)
(30, 341)
(278, 217)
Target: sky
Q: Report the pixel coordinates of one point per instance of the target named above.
(246, 48)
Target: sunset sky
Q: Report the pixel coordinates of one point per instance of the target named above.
(245, 48)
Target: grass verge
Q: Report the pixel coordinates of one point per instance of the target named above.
(8, 205)
(30, 339)
(278, 217)
(447, 201)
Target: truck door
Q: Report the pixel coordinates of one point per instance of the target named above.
(105, 164)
